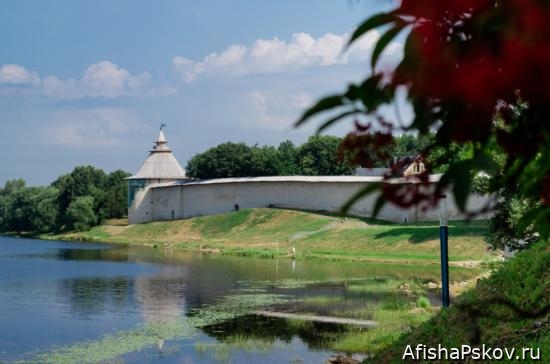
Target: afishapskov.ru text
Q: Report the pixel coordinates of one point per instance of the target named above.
(423, 352)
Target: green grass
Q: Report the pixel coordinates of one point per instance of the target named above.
(269, 233)
(392, 302)
(509, 309)
(392, 324)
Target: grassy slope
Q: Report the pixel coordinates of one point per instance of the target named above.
(263, 231)
(510, 309)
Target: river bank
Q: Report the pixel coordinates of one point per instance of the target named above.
(281, 233)
(296, 235)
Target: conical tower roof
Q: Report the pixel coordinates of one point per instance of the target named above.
(161, 163)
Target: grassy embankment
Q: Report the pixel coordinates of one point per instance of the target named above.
(396, 305)
(270, 232)
(510, 309)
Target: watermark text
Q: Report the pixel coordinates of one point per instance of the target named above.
(423, 352)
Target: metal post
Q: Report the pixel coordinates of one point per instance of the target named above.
(443, 239)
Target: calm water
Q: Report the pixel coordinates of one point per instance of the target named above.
(59, 293)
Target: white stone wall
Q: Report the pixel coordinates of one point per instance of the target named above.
(176, 201)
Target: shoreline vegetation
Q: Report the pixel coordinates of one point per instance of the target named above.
(278, 233)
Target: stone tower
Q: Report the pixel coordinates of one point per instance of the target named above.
(159, 167)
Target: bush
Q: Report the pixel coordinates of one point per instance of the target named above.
(423, 302)
(80, 213)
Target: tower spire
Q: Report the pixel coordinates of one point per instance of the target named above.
(160, 144)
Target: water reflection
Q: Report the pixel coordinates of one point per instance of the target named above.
(57, 293)
(161, 298)
(314, 334)
(88, 297)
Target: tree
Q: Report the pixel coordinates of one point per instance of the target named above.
(28, 209)
(263, 161)
(80, 213)
(475, 72)
(319, 157)
(8, 211)
(116, 196)
(287, 159)
(109, 192)
(43, 214)
(82, 181)
(411, 145)
(225, 160)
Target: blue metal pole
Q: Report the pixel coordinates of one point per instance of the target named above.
(443, 237)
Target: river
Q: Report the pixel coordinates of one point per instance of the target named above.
(59, 296)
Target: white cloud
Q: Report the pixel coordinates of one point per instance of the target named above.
(273, 110)
(16, 75)
(53, 86)
(91, 128)
(106, 79)
(275, 55)
(102, 79)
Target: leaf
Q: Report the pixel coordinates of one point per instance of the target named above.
(373, 94)
(530, 216)
(361, 194)
(411, 56)
(486, 163)
(336, 118)
(327, 103)
(353, 92)
(384, 41)
(459, 175)
(373, 22)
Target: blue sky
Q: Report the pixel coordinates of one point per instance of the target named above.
(89, 82)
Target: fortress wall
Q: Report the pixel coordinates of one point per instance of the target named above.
(141, 211)
(199, 199)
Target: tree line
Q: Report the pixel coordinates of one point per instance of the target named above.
(320, 155)
(88, 196)
(83, 198)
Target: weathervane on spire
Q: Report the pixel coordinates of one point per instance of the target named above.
(162, 126)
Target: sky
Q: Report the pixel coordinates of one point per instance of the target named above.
(90, 82)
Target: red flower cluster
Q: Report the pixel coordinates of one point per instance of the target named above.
(469, 55)
(364, 148)
(474, 69)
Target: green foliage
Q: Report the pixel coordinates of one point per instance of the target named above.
(224, 160)
(511, 308)
(287, 164)
(410, 145)
(318, 156)
(38, 210)
(507, 227)
(109, 192)
(114, 205)
(263, 161)
(80, 214)
(423, 302)
(44, 214)
(28, 209)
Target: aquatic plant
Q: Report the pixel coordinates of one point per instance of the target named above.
(114, 345)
